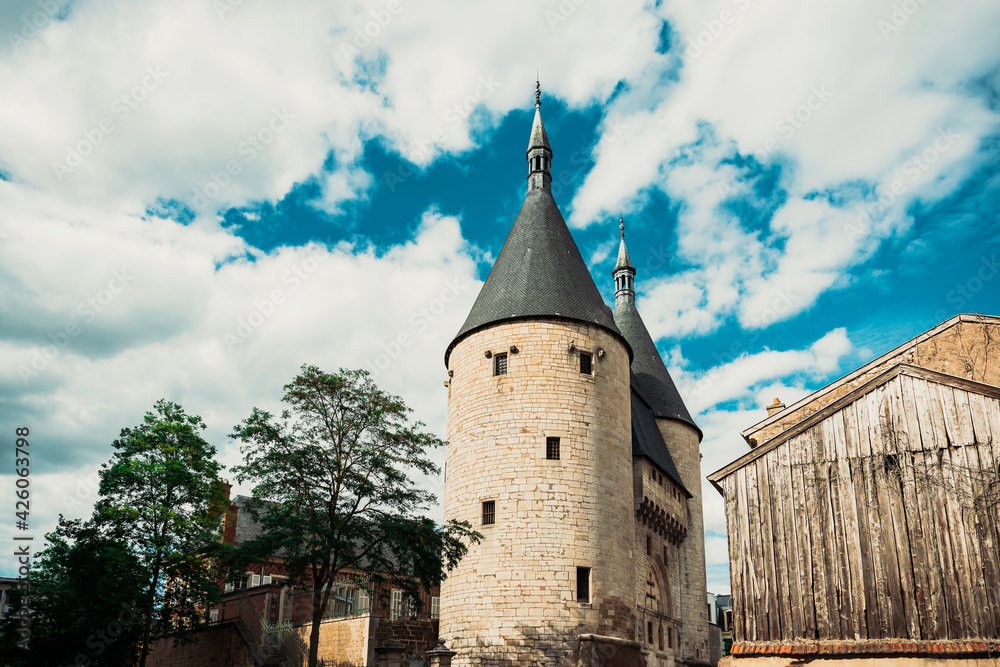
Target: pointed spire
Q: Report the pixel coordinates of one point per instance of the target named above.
(539, 152)
(624, 272)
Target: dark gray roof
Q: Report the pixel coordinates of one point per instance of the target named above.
(246, 527)
(647, 441)
(654, 382)
(538, 139)
(539, 272)
(624, 262)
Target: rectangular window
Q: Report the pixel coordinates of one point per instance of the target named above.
(489, 512)
(213, 615)
(500, 364)
(364, 602)
(396, 606)
(435, 607)
(649, 632)
(586, 365)
(583, 584)
(649, 549)
(552, 449)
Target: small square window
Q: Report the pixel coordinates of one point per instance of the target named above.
(489, 512)
(583, 584)
(552, 449)
(586, 363)
(500, 364)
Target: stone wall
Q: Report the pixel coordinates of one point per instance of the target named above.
(343, 642)
(682, 441)
(217, 645)
(513, 598)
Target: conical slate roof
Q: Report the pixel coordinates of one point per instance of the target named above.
(624, 262)
(538, 137)
(647, 440)
(654, 382)
(539, 272)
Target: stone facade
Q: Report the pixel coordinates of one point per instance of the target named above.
(683, 442)
(513, 599)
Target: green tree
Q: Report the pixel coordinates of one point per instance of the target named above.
(158, 494)
(84, 589)
(332, 489)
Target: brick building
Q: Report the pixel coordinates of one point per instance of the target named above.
(571, 450)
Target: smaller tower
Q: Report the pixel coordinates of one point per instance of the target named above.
(624, 272)
(539, 151)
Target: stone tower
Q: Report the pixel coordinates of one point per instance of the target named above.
(539, 455)
(672, 614)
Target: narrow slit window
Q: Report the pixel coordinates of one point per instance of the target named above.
(489, 512)
(500, 364)
(586, 363)
(583, 584)
(552, 449)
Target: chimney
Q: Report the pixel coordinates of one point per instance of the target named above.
(775, 407)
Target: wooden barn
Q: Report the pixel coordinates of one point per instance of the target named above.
(864, 521)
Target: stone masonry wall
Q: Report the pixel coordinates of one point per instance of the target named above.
(513, 598)
(218, 645)
(658, 620)
(343, 642)
(682, 441)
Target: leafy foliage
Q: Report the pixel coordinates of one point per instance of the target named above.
(84, 590)
(332, 488)
(157, 493)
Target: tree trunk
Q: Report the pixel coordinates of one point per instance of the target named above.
(149, 612)
(317, 619)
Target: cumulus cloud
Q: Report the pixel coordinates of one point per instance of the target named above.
(826, 122)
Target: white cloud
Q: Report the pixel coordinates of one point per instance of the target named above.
(829, 95)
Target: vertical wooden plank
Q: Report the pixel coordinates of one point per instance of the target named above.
(803, 538)
(842, 544)
(736, 554)
(770, 576)
(831, 545)
(921, 399)
(965, 460)
(758, 615)
(791, 604)
(746, 588)
(876, 526)
(817, 537)
(918, 613)
(956, 524)
(882, 451)
(849, 520)
(986, 509)
(934, 621)
(864, 577)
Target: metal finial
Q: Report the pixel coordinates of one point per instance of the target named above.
(538, 92)
(621, 224)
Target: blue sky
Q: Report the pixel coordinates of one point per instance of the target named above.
(197, 199)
